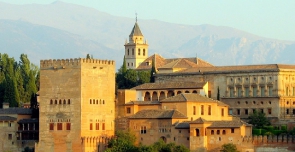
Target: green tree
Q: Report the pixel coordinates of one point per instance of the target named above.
(258, 119)
(123, 142)
(229, 148)
(143, 77)
(153, 72)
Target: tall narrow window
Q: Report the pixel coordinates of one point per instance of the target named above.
(68, 126)
(202, 109)
(262, 91)
(59, 101)
(51, 126)
(51, 102)
(55, 102)
(212, 132)
(239, 91)
(232, 130)
(270, 91)
(238, 112)
(59, 126)
(103, 126)
(222, 112)
(269, 111)
(97, 126)
(132, 51)
(287, 91)
(128, 51)
(143, 53)
(246, 111)
(254, 89)
(231, 92)
(128, 109)
(194, 110)
(143, 130)
(247, 92)
(138, 51)
(293, 111)
(209, 110)
(69, 101)
(287, 111)
(90, 127)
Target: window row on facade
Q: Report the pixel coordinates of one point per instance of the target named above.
(252, 91)
(93, 101)
(60, 101)
(208, 111)
(158, 96)
(59, 126)
(97, 126)
(138, 52)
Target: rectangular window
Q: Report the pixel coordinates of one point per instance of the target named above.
(51, 126)
(262, 89)
(239, 92)
(209, 110)
(128, 109)
(247, 91)
(254, 89)
(287, 91)
(232, 130)
(261, 110)
(231, 92)
(9, 136)
(68, 126)
(59, 126)
(238, 112)
(202, 109)
(103, 126)
(253, 110)
(269, 111)
(293, 111)
(222, 112)
(209, 94)
(194, 110)
(246, 111)
(97, 126)
(230, 111)
(143, 130)
(287, 111)
(270, 91)
(90, 127)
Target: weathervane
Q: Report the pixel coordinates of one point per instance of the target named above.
(135, 16)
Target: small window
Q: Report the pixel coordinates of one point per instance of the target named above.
(97, 126)
(55, 102)
(68, 126)
(143, 53)
(202, 109)
(269, 111)
(287, 111)
(65, 101)
(138, 51)
(246, 111)
(194, 110)
(102, 101)
(209, 110)
(212, 132)
(90, 127)
(232, 130)
(59, 101)
(238, 112)
(59, 126)
(51, 102)
(223, 132)
(90, 101)
(96, 101)
(69, 101)
(103, 126)
(9, 136)
(222, 112)
(218, 132)
(128, 109)
(143, 130)
(51, 126)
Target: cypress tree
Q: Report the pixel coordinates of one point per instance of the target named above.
(218, 94)
(153, 72)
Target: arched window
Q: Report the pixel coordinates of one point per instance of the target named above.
(138, 51)
(195, 91)
(212, 132)
(197, 132)
(186, 91)
(178, 92)
(51, 102)
(69, 101)
(59, 101)
(90, 101)
(64, 101)
(218, 132)
(223, 132)
(96, 101)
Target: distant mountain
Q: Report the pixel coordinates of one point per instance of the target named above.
(62, 30)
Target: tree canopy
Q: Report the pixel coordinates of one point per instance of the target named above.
(258, 119)
(229, 148)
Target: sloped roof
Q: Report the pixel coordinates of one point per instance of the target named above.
(159, 61)
(199, 121)
(142, 103)
(225, 124)
(182, 125)
(158, 114)
(197, 61)
(7, 118)
(32, 120)
(136, 30)
(190, 97)
(239, 68)
(22, 111)
(179, 63)
(169, 85)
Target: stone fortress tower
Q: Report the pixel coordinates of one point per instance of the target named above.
(77, 108)
(136, 50)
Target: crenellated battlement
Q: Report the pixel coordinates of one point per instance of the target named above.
(71, 62)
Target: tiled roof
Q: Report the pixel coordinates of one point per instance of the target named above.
(178, 63)
(159, 61)
(182, 125)
(197, 62)
(7, 118)
(32, 120)
(225, 124)
(239, 68)
(22, 111)
(142, 103)
(199, 121)
(136, 31)
(158, 114)
(169, 85)
(191, 97)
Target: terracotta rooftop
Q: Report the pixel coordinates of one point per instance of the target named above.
(21, 111)
(182, 125)
(163, 63)
(142, 103)
(7, 118)
(199, 121)
(169, 85)
(158, 114)
(239, 68)
(225, 124)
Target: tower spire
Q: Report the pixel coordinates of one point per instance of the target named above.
(135, 17)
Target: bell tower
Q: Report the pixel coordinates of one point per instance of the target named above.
(136, 49)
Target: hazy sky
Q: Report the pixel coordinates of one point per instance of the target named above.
(268, 18)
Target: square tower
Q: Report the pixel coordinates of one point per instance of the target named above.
(77, 108)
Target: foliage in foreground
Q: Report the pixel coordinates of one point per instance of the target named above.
(258, 120)
(229, 148)
(125, 142)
